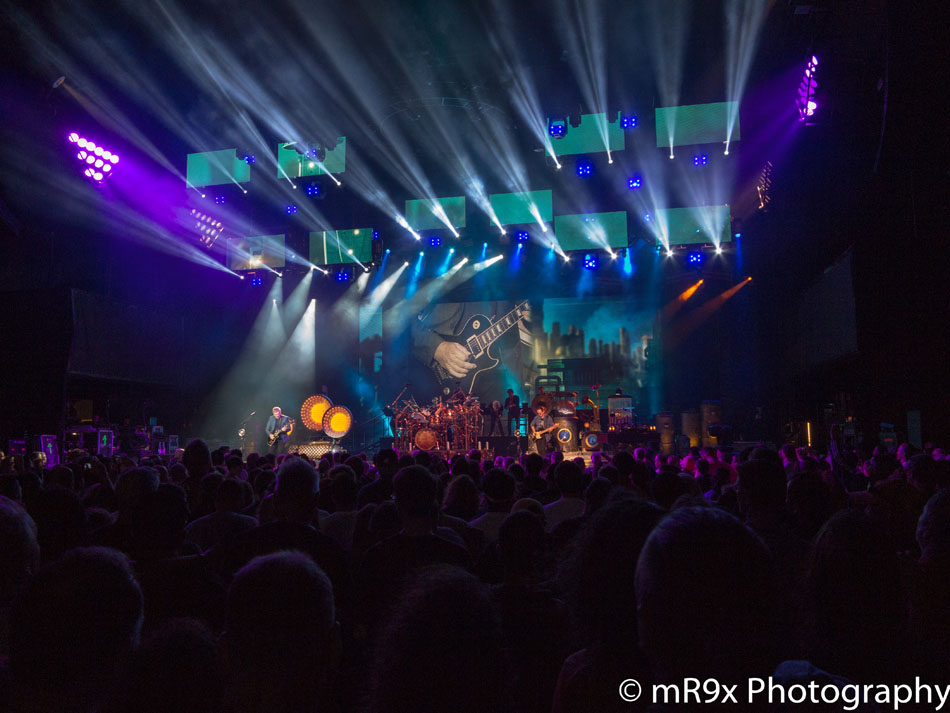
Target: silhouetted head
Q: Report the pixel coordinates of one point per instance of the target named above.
(705, 595)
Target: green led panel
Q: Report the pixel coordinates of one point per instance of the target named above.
(514, 208)
(256, 252)
(216, 168)
(292, 163)
(332, 247)
(691, 226)
(420, 215)
(696, 124)
(591, 230)
(587, 136)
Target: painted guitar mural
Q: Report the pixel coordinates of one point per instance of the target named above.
(477, 336)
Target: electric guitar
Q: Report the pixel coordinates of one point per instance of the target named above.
(477, 336)
(272, 437)
(538, 435)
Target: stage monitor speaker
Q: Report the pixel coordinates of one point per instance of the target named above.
(503, 445)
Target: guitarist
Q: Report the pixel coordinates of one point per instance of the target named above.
(280, 425)
(541, 427)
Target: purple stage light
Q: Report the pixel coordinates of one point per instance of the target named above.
(99, 161)
(807, 89)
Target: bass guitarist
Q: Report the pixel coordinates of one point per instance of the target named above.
(541, 427)
(278, 425)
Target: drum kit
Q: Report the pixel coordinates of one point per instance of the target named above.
(441, 425)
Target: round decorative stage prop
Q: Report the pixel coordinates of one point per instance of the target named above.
(426, 439)
(337, 421)
(591, 440)
(313, 410)
(566, 433)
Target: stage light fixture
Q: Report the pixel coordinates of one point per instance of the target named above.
(522, 236)
(291, 209)
(219, 200)
(628, 122)
(806, 102)
(647, 217)
(584, 167)
(634, 182)
(669, 253)
(249, 159)
(695, 258)
(313, 190)
(700, 160)
(719, 250)
(435, 241)
(557, 129)
(97, 159)
(590, 261)
(388, 251)
(256, 281)
(342, 276)
(376, 236)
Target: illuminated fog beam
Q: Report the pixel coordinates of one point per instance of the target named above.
(744, 19)
(297, 361)
(582, 30)
(396, 319)
(691, 322)
(674, 305)
(347, 307)
(402, 222)
(479, 266)
(521, 89)
(376, 297)
(537, 216)
(666, 30)
(439, 212)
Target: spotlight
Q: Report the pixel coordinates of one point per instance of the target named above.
(291, 209)
(695, 258)
(313, 190)
(342, 276)
(388, 251)
(737, 235)
(557, 129)
(451, 251)
(421, 253)
(719, 250)
(584, 167)
(249, 159)
(376, 236)
(406, 263)
(669, 253)
(435, 241)
(522, 236)
(590, 261)
(628, 122)
(219, 200)
(700, 159)
(634, 182)
(647, 217)
(256, 281)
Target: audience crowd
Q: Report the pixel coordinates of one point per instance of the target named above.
(221, 581)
